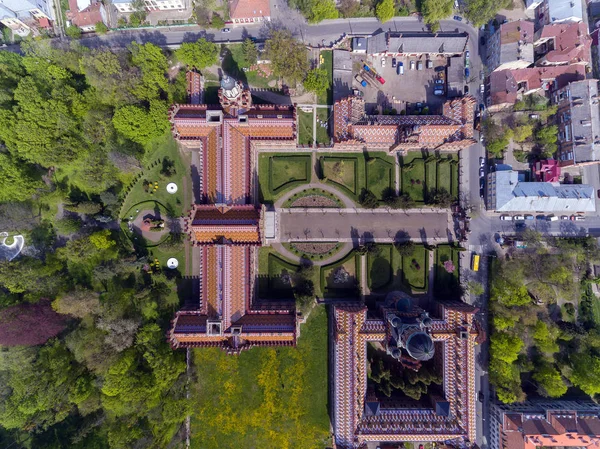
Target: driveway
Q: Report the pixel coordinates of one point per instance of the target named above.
(363, 225)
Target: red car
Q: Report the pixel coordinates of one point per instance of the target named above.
(380, 79)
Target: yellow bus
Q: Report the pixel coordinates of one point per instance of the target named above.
(475, 262)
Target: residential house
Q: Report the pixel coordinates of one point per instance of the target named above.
(511, 47)
(85, 14)
(417, 43)
(562, 44)
(359, 45)
(507, 86)
(531, 5)
(578, 118)
(506, 193)
(249, 11)
(545, 423)
(151, 5)
(558, 11)
(547, 170)
(21, 16)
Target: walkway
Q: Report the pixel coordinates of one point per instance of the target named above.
(344, 250)
(348, 203)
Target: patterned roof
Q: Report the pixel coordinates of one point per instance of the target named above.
(454, 329)
(214, 224)
(394, 132)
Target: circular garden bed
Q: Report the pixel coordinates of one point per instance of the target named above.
(314, 250)
(318, 198)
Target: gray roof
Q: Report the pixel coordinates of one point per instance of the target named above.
(359, 44)
(585, 120)
(455, 76)
(515, 196)
(377, 43)
(559, 10)
(342, 74)
(448, 43)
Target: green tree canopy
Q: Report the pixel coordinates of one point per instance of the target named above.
(321, 10)
(289, 57)
(482, 11)
(317, 81)
(250, 52)
(139, 125)
(586, 372)
(153, 63)
(385, 10)
(436, 10)
(18, 181)
(199, 54)
(550, 381)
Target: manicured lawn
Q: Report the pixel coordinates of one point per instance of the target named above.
(157, 151)
(327, 97)
(379, 268)
(281, 172)
(265, 397)
(323, 115)
(341, 171)
(313, 193)
(348, 287)
(413, 179)
(305, 127)
(232, 65)
(444, 176)
(388, 270)
(446, 283)
(271, 266)
(425, 176)
(380, 176)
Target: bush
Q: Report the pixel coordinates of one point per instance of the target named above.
(68, 225)
(217, 21)
(73, 32)
(101, 28)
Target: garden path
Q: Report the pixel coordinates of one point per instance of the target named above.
(344, 250)
(314, 145)
(148, 235)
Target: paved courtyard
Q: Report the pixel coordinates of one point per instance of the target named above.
(359, 226)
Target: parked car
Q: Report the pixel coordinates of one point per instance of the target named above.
(467, 72)
(439, 81)
(466, 90)
(481, 75)
(520, 226)
(438, 92)
(382, 62)
(380, 79)
(505, 217)
(361, 81)
(358, 93)
(480, 137)
(400, 68)
(551, 218)
(482, 162)
(481, 183)
(518, 218)
(394, 62)
(226, 30)
(467, 63)
(482, 88)
(481, 107)
(540, 217)
(564, 217)
(579, 218)
(412, 65)
(481, 193)
(529, 217)
(467, 54)
(482, 41)
(420, 65)
(459, 18)
(481, 172)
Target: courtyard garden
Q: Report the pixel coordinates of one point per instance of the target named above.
(424, 175)
(446, 270)
(279, 173)
(266, 397)
(380, 176)
(323, 117)
(277, 276)
(388, 270)
(313, 198)
(305, 127)
(342, 278)
(327, 65)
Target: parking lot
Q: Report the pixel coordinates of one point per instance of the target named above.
(401, 92)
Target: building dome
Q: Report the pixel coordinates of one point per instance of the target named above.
(427, 322)
(404, 304)
(396, 322)
(231, 89)
(420, 346)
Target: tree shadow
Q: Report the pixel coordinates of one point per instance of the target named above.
(231, 67)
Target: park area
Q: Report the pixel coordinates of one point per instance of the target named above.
(422, 175)
(266, 397)
(306, 126)
(279, 173)
(277, 277)
(388, 270)
(342, 278)
(352, 172)
(446, 271)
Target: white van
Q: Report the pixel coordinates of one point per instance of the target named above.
(552, 218)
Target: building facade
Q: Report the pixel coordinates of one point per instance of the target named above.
(562, 44)
(545, 423)
(226, 227)
(151, 5)
(578, 122)
(511, 47)
(408, 334)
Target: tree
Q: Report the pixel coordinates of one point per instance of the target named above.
(522, 133)
(154, 65)
(139, 12)
(585, 372)
(78, 303)
(249, 52)
(385, 10)
(29, 324)
(101, 28)
(550, 381)
(19, 181)
(509, 293)
(288, 57)
(545, 337)
(367, 199)
(203, 16)
(217, 21)
(505, 347)
(476, 288)
(139, 125)
(440, 197)
(74, 32)
(317, 81)
(406, 249)
(321, 10)
(436, 10)
(482, 11)
(546, 136)
(199, 54)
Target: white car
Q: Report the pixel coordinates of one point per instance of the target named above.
(518, 218)
(564, 217)
(579, 218)
(382, 62)
(505, 217)
(226, 30)
(482, 88)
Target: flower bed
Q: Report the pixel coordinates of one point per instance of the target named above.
(315, 248)
(314, 201)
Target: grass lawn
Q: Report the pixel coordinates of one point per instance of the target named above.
(413, 180)
(342, 171)
(280, 172)
(327, 97)
(379, 268)
(323, 133)
(305, 127)
(157, 151)
(314, 193)
(445, 283)
(265, 397)
(348, 287)
(233, 63)
(380, 176)
(444, 176)
(388, 270)
(433, 174)
(271, 266)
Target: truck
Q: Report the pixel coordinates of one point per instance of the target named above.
(475, 262)
(361, 81)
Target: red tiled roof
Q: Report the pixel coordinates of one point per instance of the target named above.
(86, 17)
(572, 44)
(244, 9)
(513, 32)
